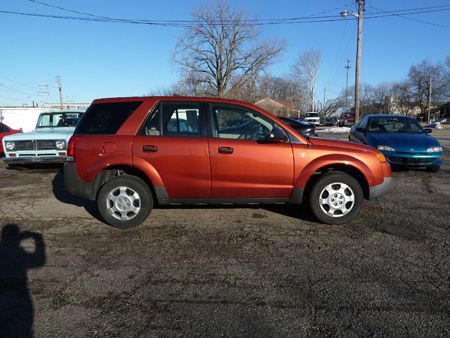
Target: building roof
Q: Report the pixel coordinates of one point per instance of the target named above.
(267, 101)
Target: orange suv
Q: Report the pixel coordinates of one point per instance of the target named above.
(128, 154)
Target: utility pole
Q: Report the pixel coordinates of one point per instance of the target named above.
(358, 59)
(324, 94)
(58, 81)
(347, 67)
(429, 99)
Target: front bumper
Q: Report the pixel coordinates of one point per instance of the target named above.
(35, 160)
(414, 160)
(380, 189)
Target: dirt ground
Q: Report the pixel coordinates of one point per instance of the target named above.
(230, 271)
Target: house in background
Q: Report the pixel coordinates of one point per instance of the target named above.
(278, 108)
(445, 110)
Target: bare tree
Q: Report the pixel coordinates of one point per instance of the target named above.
(220, 50)
(419, 78)
(305, 71)
(400, 99)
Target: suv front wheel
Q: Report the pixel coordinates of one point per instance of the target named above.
(336, 198)
(124, 201)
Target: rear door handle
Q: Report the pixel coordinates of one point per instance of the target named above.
(150, 148)
(225, 150)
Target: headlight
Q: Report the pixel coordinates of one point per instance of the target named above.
(434, 150)
(60, 144)
(10, 145)
(385, 148)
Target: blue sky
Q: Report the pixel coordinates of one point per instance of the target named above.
(106, 59)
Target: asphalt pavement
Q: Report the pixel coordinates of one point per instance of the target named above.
(230, 271)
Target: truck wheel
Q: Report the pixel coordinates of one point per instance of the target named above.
(336, 198)
(125, 201)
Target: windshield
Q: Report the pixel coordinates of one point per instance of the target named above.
(349, 115)
(394, 124)
(312, 115)
(58, 120)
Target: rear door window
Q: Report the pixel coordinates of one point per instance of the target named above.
(106, 118)
(180, 119)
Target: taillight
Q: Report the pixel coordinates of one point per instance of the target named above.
(71, 148)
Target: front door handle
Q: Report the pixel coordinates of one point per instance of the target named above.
(150, 148)
(225, 150)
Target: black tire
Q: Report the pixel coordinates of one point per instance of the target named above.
(351, 208)
(433, 169)
(131, 184)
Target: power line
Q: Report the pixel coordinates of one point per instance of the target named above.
(18, 82)
(413, 19)
(255, 22)
(14, 90)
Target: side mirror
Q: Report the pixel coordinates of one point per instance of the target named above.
(428, 131)
(361, 130)
(276, 136)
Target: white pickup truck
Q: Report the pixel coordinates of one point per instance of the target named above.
(312, 118)
(47, 143)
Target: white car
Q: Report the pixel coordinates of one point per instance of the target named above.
(47, 143)
(312, 118)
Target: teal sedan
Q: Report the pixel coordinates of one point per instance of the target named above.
(401, 139)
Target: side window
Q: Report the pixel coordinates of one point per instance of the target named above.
(106, 118)
(181, 119)
(174, 119)
(240, 124)
(152, 126)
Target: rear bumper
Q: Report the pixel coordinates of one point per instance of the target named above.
(380, 189)
(35, 160)
(74, 185)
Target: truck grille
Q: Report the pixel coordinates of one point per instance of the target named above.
(24, 145)
(35, 145)
(45, 144)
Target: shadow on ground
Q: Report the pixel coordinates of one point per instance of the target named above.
(16, 305)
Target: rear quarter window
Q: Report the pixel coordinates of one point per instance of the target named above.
(106, 118)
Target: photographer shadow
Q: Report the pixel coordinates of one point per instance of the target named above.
(16, 305)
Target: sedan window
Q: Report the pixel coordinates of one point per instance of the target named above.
(394, 124)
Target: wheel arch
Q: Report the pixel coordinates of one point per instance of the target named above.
(338, 167)
(349, 165)
(113, 171)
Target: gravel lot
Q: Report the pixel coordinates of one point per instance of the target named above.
(225, 271)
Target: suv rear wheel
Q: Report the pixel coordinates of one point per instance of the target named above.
(125, 201)
(336, 198)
